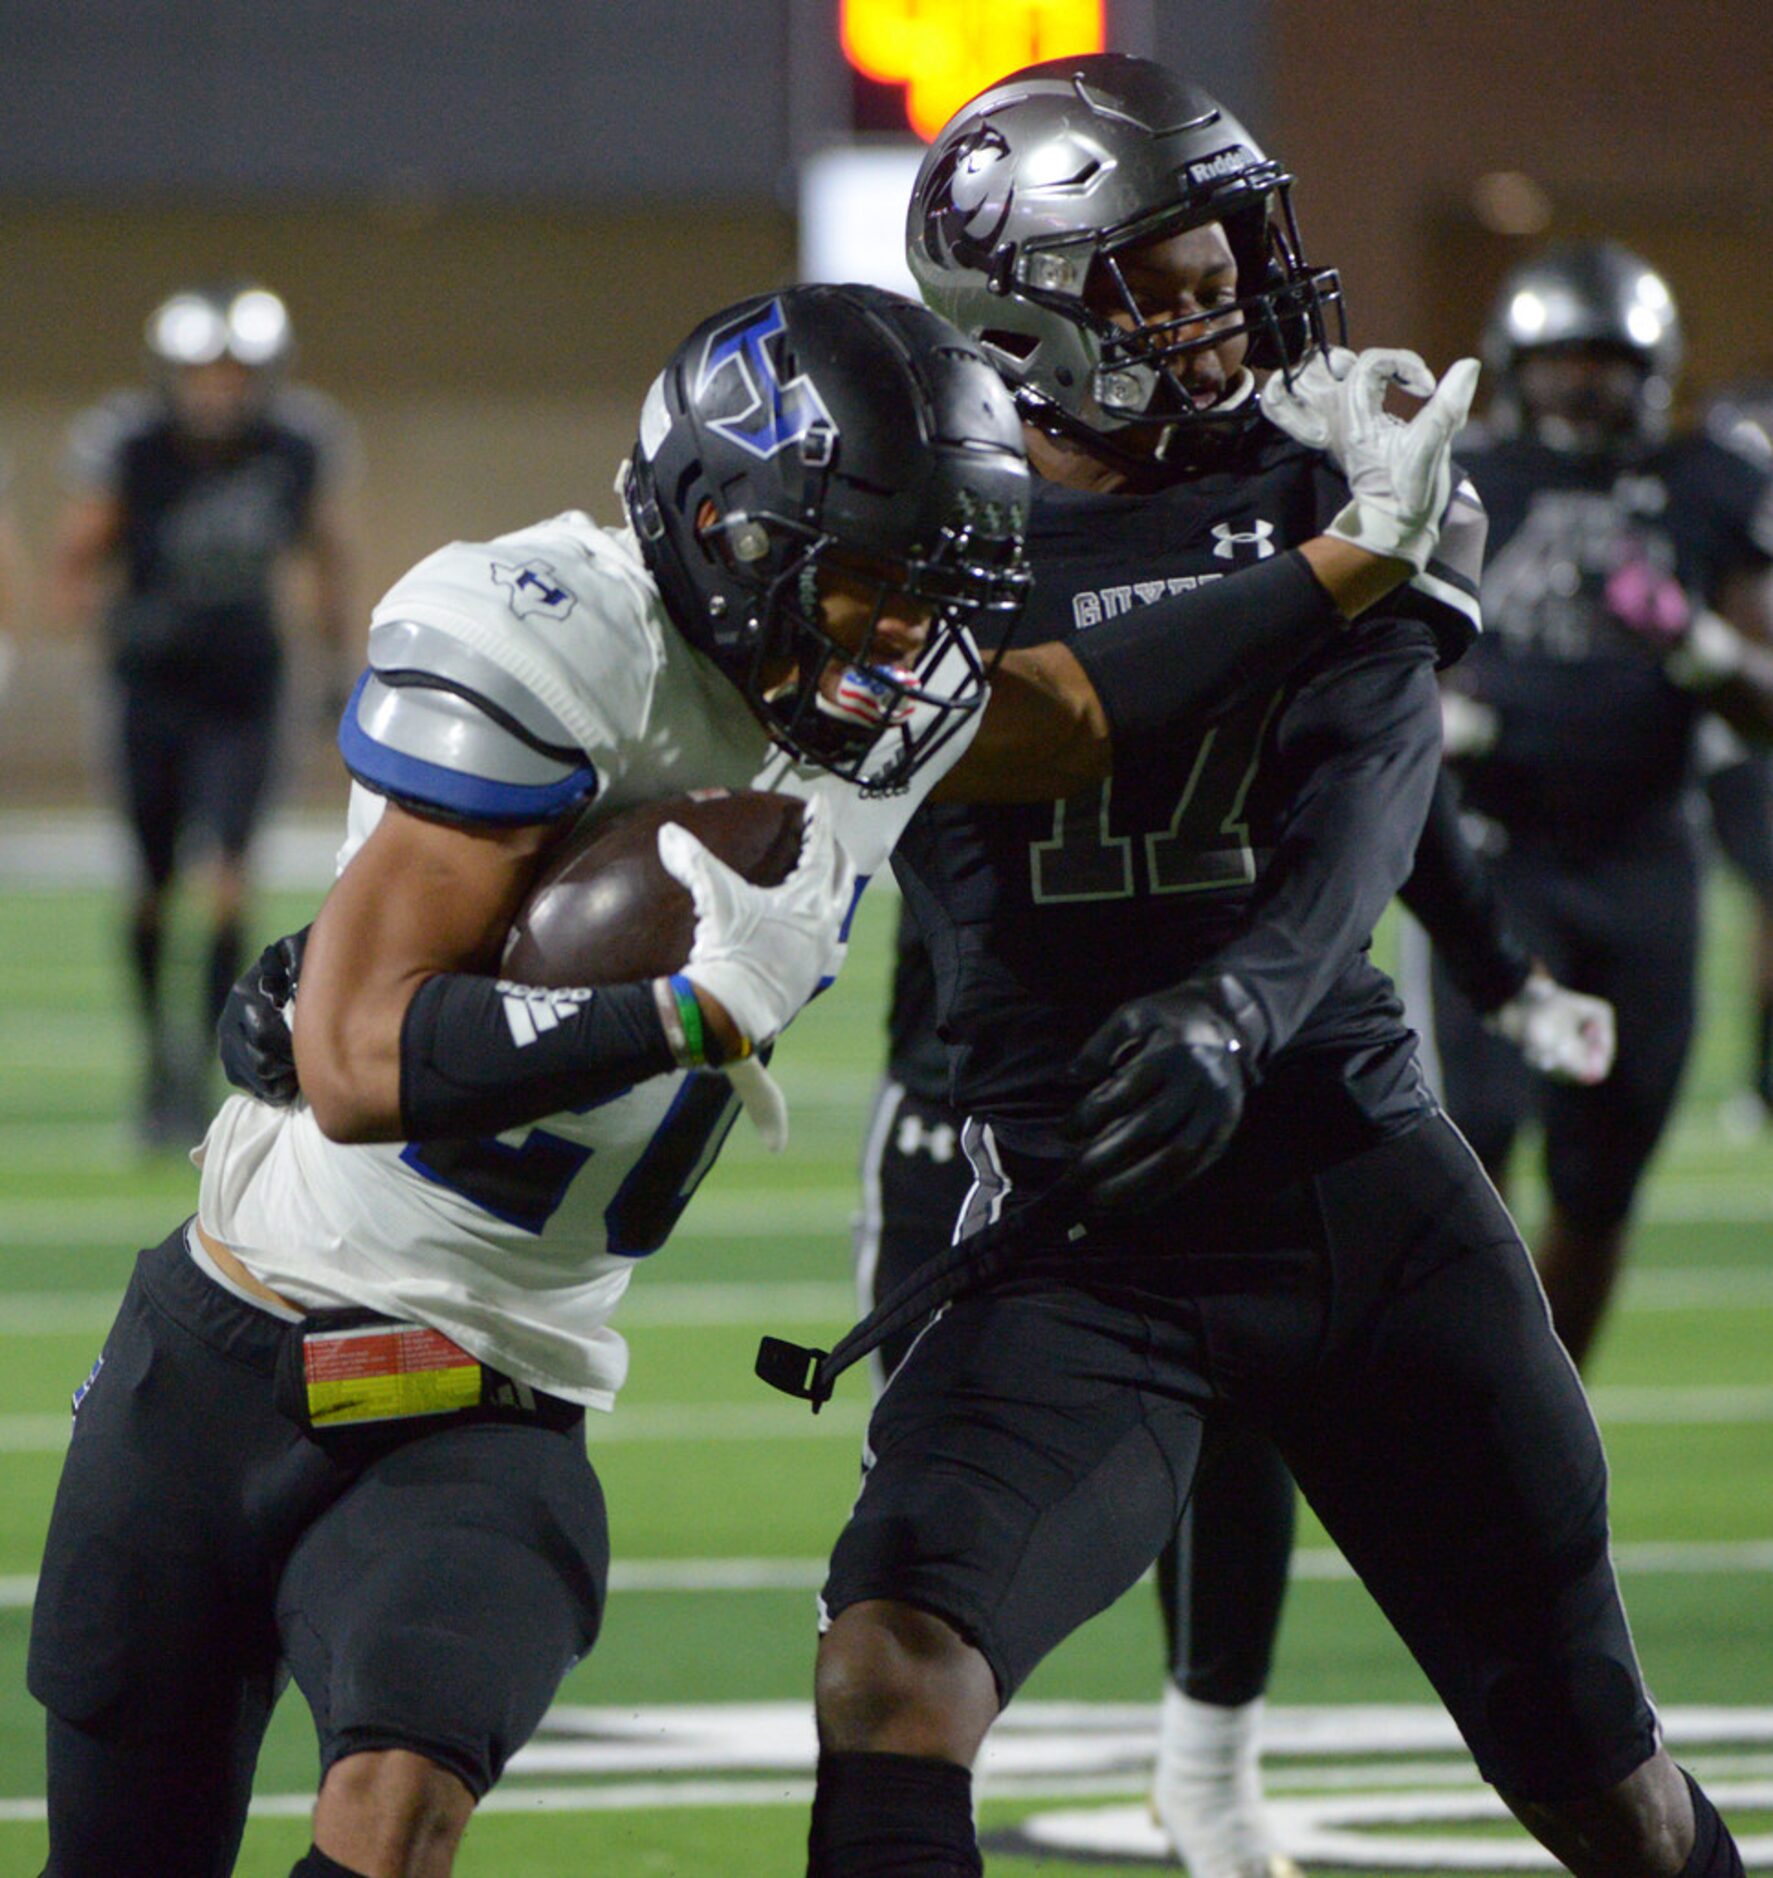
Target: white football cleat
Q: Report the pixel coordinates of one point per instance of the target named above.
(1207, 1794)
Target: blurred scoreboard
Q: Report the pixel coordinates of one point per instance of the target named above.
(913, 64)
(943, 52)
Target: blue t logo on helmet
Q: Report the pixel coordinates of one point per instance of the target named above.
(772, 414)
(900, 475)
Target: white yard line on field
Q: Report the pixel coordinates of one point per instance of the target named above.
(679, 1304)
(728, 1213)
(701, 1422)
(1321, 1564)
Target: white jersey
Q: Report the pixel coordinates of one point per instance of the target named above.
(508, 681)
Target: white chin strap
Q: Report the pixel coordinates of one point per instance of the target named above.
(1239, 392)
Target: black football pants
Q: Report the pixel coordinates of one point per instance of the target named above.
(427, 1593)
(1383, 1325)
(1222, 1579)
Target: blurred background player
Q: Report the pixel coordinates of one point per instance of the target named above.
(13, 574)
(1738, 779)
(184, 500)
(1624, 595)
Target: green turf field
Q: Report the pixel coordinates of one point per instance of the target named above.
(684, 1744)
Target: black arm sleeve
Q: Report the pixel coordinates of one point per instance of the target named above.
(1451, 893)
(478, 1056)
(1196, 652)
(1363, 737)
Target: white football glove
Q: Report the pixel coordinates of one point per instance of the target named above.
(1563, 1034)
(763, 951)
(1400, 474)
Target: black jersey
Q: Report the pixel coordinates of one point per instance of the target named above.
(1593, 738)
(204, 526)
(1266, 845)
(917, 1059)
(1450, 891)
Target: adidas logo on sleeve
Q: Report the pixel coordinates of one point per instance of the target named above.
(530, 1011)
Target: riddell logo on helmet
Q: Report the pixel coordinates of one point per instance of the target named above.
(1220, 164)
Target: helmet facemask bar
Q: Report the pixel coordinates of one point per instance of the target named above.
(880, 721)
(1282, 320)
(1285, 310)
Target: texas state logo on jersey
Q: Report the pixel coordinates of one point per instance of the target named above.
(509, 682)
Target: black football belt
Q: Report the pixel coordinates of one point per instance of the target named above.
(968, 1265)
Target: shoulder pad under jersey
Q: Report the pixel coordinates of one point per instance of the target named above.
(558, 608)
(98, 437)
(436, 724)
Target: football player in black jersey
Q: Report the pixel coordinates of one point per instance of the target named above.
(1188, 1092)
(1222, 1578)
(184, 501)
(1738, 782)
(1625, 598)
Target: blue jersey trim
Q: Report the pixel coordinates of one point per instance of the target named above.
(412, 779)
(843, 936)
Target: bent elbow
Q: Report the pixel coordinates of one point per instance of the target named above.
(353, 1121)
(354, 1100)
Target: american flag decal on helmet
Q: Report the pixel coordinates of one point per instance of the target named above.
(870, 695)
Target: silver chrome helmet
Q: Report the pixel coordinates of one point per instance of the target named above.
(1585, 294)
(1036, 187)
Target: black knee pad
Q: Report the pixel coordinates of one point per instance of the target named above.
(1569, 1728)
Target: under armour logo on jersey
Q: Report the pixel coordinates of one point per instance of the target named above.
(533, 587)
(764, 415)
(1259, 537)
(913, 1138)
(530, 1012)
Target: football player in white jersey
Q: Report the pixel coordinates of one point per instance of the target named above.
(337, 1429)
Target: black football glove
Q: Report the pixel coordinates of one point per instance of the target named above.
(252, 1033)
(1168, 1075)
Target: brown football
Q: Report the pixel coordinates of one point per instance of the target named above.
(605, 912)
